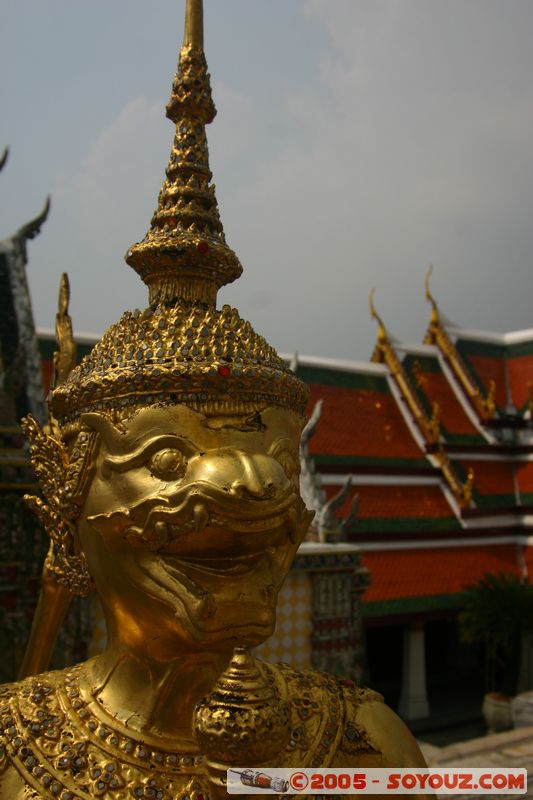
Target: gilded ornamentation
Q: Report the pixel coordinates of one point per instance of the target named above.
(243, 716)
(62, 481)
(64, 572)
(185, 252)
(171, 478)
(180, 353)
(384, 352)
(436, 334)
(78, 754)
(428, 426)
(65, 357)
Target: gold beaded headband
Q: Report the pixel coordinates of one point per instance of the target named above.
(182, 354)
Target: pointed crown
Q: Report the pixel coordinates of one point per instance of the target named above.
(184, 254)
(181, 348)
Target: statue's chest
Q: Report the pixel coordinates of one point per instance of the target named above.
(61, 751)
(54, 746)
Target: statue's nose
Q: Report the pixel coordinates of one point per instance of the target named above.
(250, 477)
(239, 473)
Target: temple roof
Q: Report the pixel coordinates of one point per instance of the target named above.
(396, 508)
(494, 483)
(431, 576)
(506, 359)
(361, 423)
(433, 386)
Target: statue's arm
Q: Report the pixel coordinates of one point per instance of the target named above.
(383, 741)
(390, 735)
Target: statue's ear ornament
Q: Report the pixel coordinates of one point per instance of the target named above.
(62, 481)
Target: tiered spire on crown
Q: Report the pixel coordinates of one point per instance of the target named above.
(181, 349)
(184, 255)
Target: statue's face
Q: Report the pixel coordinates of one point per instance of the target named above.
(191, 523)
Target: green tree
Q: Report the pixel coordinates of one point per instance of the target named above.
(498, 614)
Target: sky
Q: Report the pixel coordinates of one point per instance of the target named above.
(356, 142)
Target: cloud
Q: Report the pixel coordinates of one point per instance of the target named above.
(409, 142)
(414, 147)
(98, 210)
(118, 167)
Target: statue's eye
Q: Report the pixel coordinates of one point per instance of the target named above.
(168, 465)
(289, 462)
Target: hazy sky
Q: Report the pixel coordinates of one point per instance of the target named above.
(356, 142)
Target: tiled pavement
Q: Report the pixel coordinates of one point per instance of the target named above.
(510, 749)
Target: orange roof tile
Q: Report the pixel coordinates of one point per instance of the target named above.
(520, 372)
(491, 477)
(505, 364)
(360, 422)
(451, 413)
(524, 476)
(487, 369)
(394, 501)
(425, 572)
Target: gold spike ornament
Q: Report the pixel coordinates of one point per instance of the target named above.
(437, 334)
(184, 255)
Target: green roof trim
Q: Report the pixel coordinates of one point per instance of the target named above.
(520, 349)
(47, 348)
(401, 525)
(426, 363)
(430, 364)
(369, 461)
(526, 498)
(494, 500)
(409, 605)
(342, 379)
(408, 365)
(468, 347)
(464, 438)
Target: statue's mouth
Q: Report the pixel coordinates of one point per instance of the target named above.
(234, 565)
(214, 558)
(174, 523)
(203, 586)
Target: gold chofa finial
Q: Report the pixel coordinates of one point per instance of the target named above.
(184, 255)
(435, 318)
(382, 331)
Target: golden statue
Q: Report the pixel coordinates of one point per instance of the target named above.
(169, 478)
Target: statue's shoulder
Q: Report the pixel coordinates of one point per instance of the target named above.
(323, 712)
(335, 722)
(17, 698)
(36, 690)
(325, 685)
(53, 678)
(29, 712)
